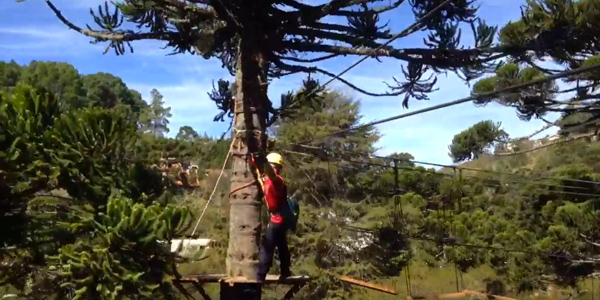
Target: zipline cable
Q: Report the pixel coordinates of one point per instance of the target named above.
(476, 177)
(395, 37)
(460, 101)
(454, 243)
(372, 156)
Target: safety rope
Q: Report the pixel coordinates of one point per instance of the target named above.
(456, 271)
(211, 195)
(398, 218)
(460, 196)
(407, 273)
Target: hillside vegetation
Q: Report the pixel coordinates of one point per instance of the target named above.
(516, 231)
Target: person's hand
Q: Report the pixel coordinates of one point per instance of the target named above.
(252, 160)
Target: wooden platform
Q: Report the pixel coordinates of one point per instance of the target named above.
(297, 282)
(271, 279)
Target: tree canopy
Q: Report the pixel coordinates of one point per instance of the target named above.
(476, 140)
(113, 209)
(291, 36)
(562, 38)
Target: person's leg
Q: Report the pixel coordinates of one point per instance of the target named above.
(267, 248)
(284, 251)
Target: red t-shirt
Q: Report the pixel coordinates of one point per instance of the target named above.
(275, 194)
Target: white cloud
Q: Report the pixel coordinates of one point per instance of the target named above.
(35, 40)
(48, 40)
(78, 4)
(427, 136)
(34, 32)
(502, 3)
(186, 97)
(190, 104)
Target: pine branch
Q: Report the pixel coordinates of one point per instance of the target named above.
(420, 55)
(344, 29)
(312, 60)
(330, 8)
(111, 36)
(303, 69)
(345, 13)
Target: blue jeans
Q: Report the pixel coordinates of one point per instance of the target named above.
(275, 237)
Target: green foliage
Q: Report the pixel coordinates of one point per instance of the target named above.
(98, 244)
(530, 101)
(560, 36)
(336, 112)
(25, 119)
(74, 90)
(186, 133)
(122, 256)
(108, 91)
(10, 74)
(155, 119)
(476, 140)
(62, 79)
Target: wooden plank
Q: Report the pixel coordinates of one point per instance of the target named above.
(204, 278)
(368, 285)
(453, 296)
(271, 279)
(435, 296)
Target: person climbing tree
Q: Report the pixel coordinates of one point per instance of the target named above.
(275, 195)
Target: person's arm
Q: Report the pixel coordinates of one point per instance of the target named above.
(269, 171)
(277, 180)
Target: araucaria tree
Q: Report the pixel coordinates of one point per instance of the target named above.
(261, 39)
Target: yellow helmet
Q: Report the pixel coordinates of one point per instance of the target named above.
(275, 158)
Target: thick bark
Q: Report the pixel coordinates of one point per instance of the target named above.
(245, 204)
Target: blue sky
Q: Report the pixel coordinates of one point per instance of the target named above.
(30, 31)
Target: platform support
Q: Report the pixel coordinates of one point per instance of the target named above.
(293, 290)
(240, 291)
(201, 290)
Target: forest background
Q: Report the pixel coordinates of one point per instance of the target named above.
(454, 228)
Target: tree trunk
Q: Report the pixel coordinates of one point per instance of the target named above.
(249, 137)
